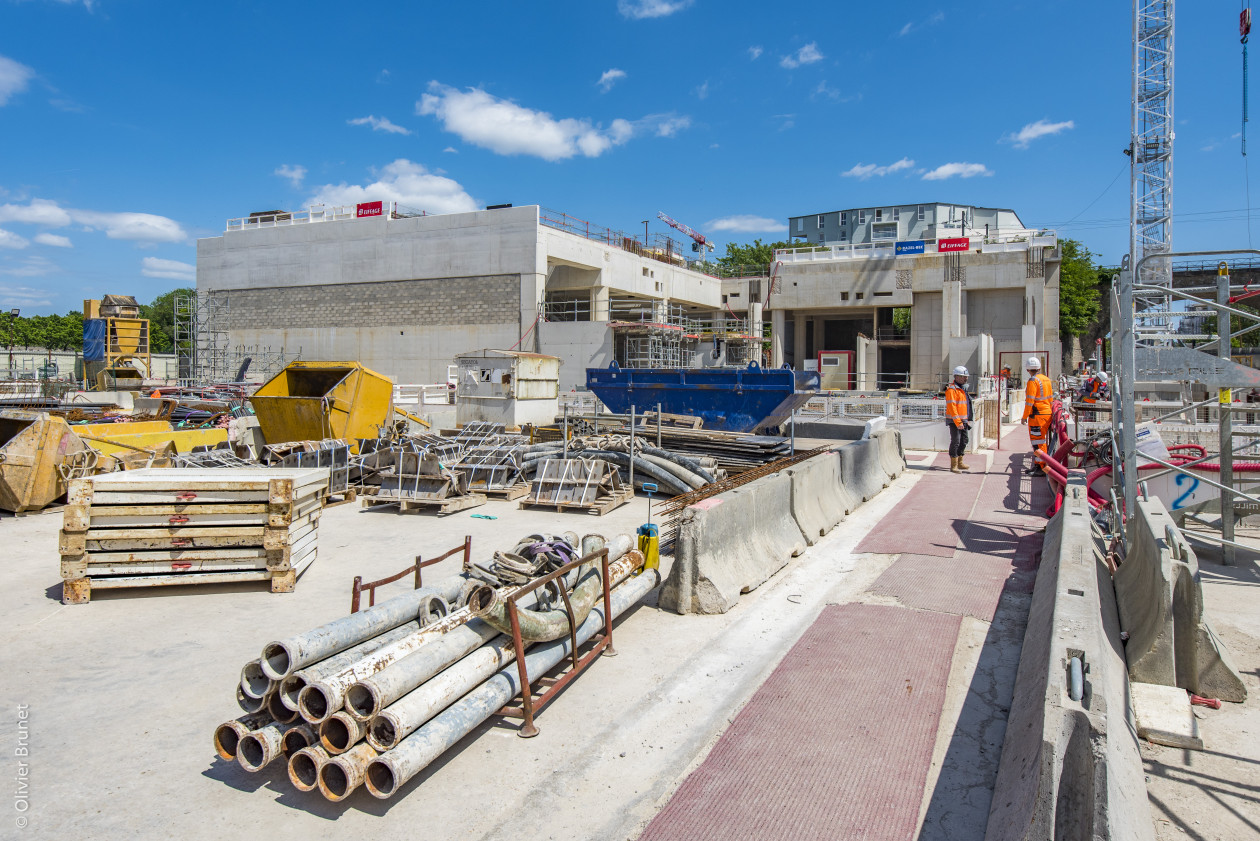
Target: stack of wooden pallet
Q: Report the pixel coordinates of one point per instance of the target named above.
(590, 485)
(150, 528)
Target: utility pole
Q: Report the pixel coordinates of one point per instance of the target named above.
(1224, 406)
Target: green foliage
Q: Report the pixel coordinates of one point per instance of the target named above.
(1079, 297)
(161, 315)
(65, 332)
(901, 318)
(755, 253)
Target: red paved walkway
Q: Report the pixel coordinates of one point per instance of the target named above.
(837, 743)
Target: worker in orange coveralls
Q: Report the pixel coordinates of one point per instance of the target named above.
(958, 415)
(1037, 405)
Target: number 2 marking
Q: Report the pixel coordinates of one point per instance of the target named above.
(1182, 478)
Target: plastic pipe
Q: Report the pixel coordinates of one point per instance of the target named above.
(391, 770)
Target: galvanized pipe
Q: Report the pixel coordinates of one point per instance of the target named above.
(321, 698)
(291, 687)
(258, 747)
(228, 735)
(410, 712)
(390, 771)
(254, 683)
(283, 657)
(341, 775)
(296, 738)
(304, 767)
(339, 733)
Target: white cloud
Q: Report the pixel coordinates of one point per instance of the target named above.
(21, 296)
(506, 128)
(865, 171)
(405, 182)
(667, 125)
(451, 150)
(807, 54)
(54, 240)
(930, 20)
(140, 227)
(34, 266)
(610, 78)
(747, 224)
(754, 53)
(294, 173)
(14, 78)
(702, 92)
(171, 269)
(1032, 131)
(36, 212)
(8, 239)
(959, 170)
(379, 124)
(639, 9)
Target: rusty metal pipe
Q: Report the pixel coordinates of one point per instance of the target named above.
(390, 771)
(227, 736)
(248, 704)
(259, 747)
(341, 775)
(278, 711)
(283, 657)
(291, 687)
(298, 737)
(339, 733)
(304, 767)
(254, 684)
(400, 719)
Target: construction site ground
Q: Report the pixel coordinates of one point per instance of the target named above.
(883, 658)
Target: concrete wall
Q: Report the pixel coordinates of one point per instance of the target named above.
(579, 345)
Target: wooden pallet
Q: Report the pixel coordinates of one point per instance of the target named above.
(601, 506)
(346, 496)
(512, 493)
(152, 528)
(445, 505)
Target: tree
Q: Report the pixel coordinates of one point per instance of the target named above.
(161, 315)
(1078, 289)
(739, 258)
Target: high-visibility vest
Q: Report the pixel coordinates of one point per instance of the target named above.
(956, 405)
(1037, 395)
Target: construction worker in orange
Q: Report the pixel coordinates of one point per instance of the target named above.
(958, 419)
(1038, 395)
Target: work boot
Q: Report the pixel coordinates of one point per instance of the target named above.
(953, 464)
(961, 465)
(1033, 470)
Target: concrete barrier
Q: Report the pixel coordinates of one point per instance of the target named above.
(891, 456)
(1160, 594)
(730, 544)
(819, 499)
(862, 469)
(1070, 768)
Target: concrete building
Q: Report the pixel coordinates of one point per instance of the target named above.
(404, 294)
(975, 299)
(904, 222)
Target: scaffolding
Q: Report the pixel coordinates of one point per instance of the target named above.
(203, 345)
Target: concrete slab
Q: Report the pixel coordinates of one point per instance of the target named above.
(1164, 716)
(931, 518)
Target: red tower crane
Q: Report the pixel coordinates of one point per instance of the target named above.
(700, 242)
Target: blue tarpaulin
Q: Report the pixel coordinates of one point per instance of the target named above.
(94, 339)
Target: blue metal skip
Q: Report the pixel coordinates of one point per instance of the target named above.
(729, 399)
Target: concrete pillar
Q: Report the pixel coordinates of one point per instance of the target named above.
(533, 286)
(599, 303)
(872, 366)
(778, 324)
(951, 318)
(798, 342)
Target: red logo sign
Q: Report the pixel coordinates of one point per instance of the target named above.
(368, 208)
(956, 244)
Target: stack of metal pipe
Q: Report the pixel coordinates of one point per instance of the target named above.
(374, 697)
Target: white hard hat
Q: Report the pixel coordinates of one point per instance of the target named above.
(1034, 364)
(1102, 375)
(961, 371)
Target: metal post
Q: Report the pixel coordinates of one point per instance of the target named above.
(793, 451)
(1226, 417)
(566, 430)
(632, 449)
(1123, 410)
(658, 426)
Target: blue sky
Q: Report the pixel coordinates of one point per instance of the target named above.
(129, 129)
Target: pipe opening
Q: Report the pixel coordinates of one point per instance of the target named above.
(380, 779)
(253, 681)
(295, 740)
(251, 753)
(290, 688)
(359, 700)
(482, 599)
(313, 704)
(248, 704)
(278, 711)
(304, 771)
(383, 732)
(275, 661)
(335, 735)
(226, 740)
(333, 780)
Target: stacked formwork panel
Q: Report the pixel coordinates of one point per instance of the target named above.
(151, 528)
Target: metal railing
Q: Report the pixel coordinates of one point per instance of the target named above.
(432, 394)
(1000, 242)
(317, 213)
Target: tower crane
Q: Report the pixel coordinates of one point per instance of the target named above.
(700, 243)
